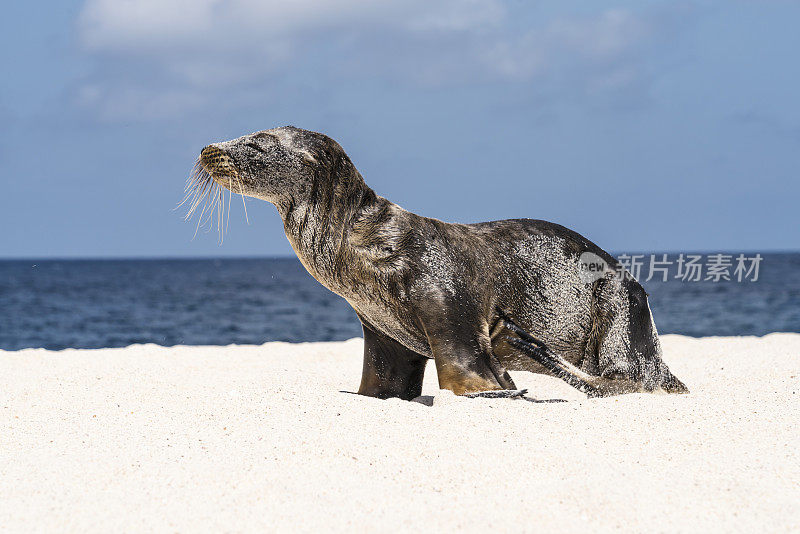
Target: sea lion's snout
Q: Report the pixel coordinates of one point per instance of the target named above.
(217, 163)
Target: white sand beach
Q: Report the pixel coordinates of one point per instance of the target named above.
(262, 438)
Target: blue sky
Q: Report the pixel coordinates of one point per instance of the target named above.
(643, 125)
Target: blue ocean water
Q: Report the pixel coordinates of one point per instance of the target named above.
(113, 303)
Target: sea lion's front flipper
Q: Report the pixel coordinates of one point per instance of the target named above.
(390, 369)
(463, 355)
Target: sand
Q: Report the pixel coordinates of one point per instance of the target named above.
(261, 438)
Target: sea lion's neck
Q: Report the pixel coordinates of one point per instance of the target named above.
(337, 229)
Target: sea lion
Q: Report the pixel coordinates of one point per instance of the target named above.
(479, 299)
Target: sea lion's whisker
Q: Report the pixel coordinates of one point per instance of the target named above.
(201, 188)
(210, 203)
(228, 220)
(192, 200)
(204, 189)
(241, 193)
(182, 202)
(213, 211)
(218, 206)
(192, 179)
(220, 211)
(191, 185)
(191, 191)
(207, 196)
(197, 190)
(186, 196)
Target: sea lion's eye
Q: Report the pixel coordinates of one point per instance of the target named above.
(261, 141)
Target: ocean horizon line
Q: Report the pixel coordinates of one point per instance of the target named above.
(293, 257)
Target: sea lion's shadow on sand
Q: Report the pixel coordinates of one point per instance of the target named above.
(427, 400)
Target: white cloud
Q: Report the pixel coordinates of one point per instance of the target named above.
(202, 48)
(146, 24)
(137, 25)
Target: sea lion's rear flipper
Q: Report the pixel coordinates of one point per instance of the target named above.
(499, 394)
(550, 361)
(593, 386)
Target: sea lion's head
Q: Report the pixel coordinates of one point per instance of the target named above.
(286, 166)
(272, 165)
(623, 349)
(633, 361)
